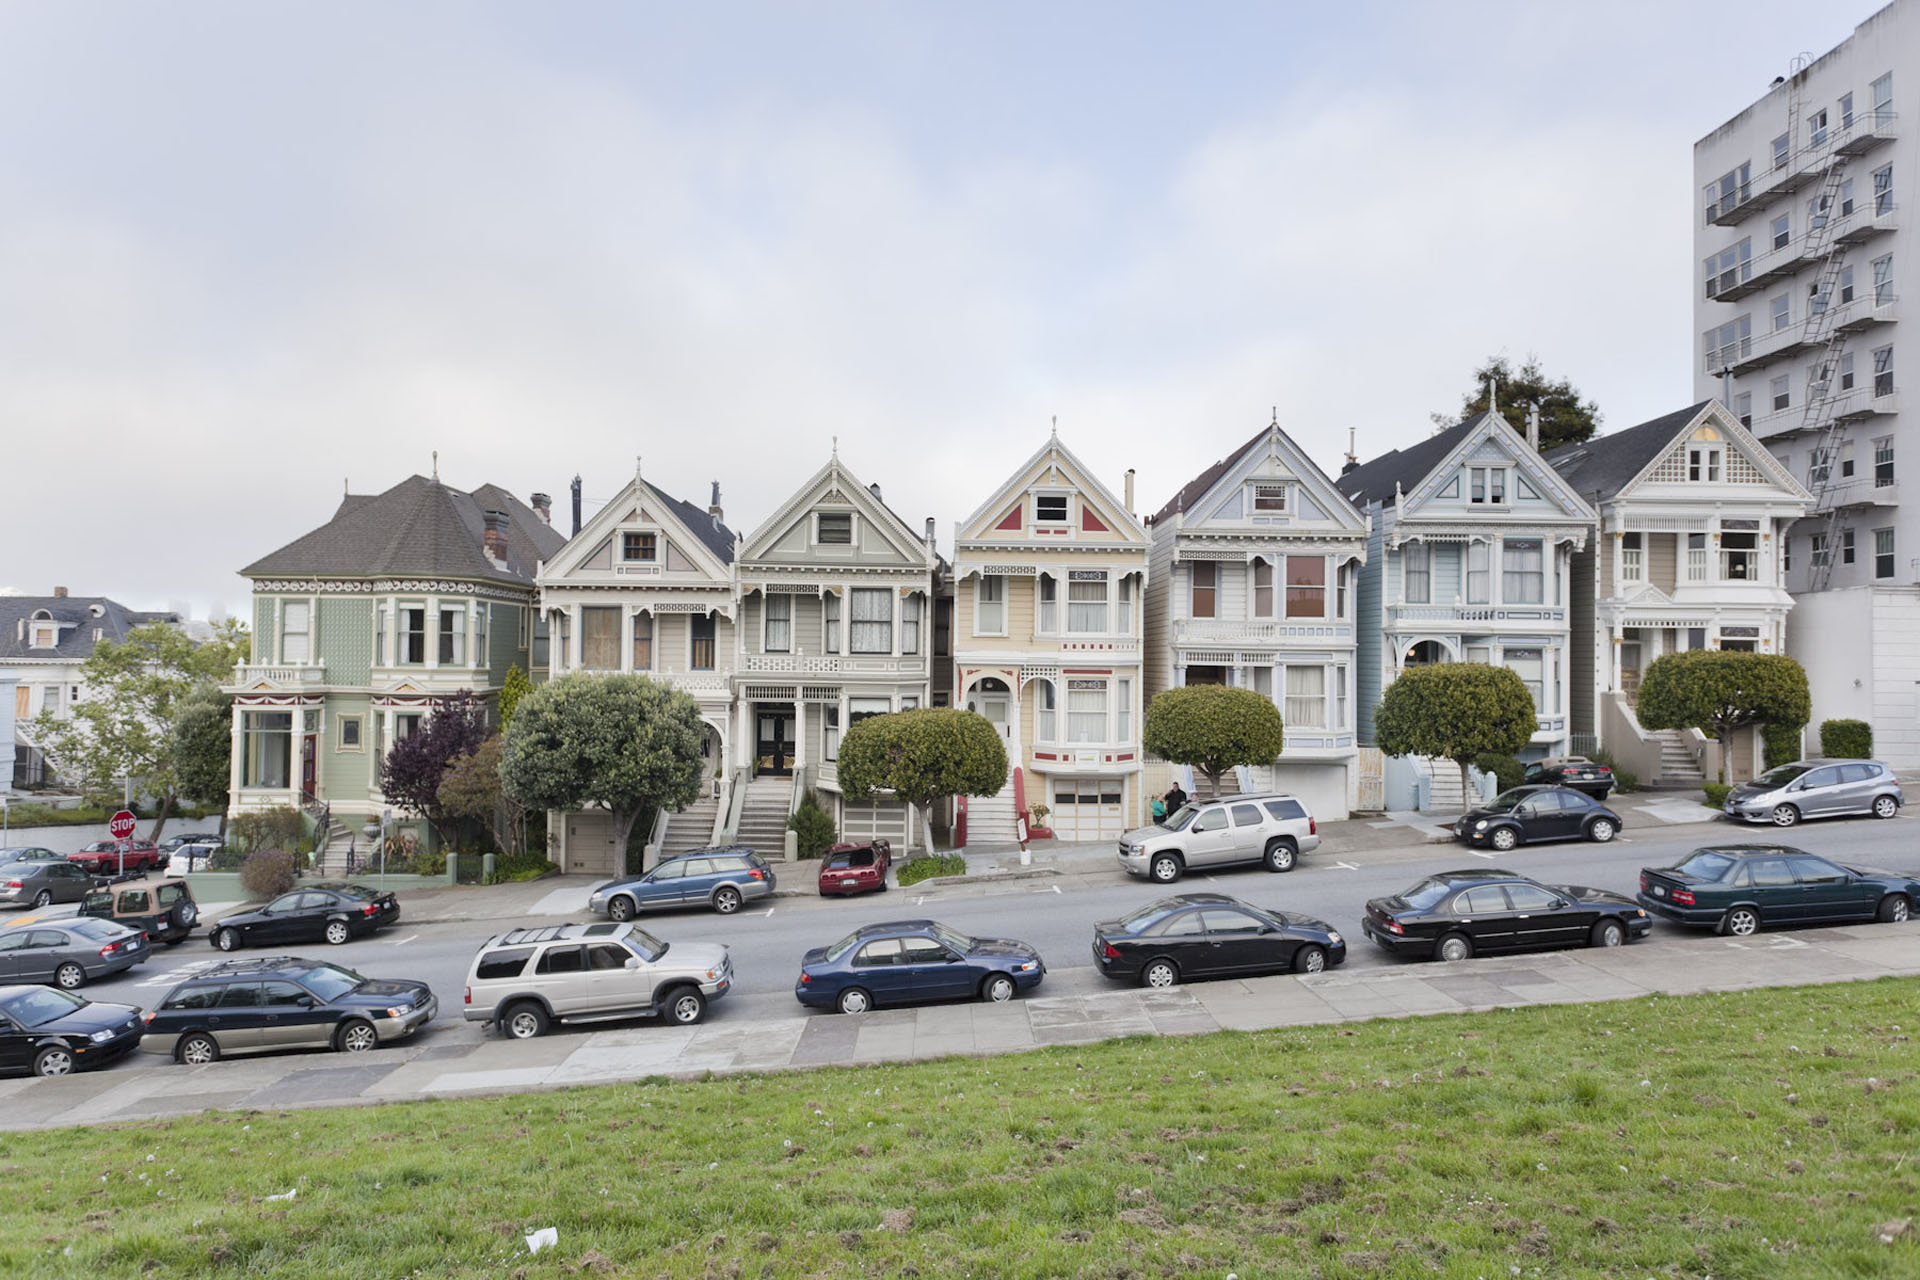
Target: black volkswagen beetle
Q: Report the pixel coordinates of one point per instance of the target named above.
(52, 1032)
(1527, 815)
(1456, 914)
(335, 911)
(1209, 935)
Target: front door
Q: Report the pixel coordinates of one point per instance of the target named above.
(774, 744)
(309, 749)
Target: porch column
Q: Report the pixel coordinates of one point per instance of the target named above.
(573, 638)
(799, 730)
(239, 748)
(743, 735)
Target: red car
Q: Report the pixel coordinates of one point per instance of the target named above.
(855, 868)
(102, 857)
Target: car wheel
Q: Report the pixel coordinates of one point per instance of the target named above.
(883, 884)
(1885, 807)
(1741, 922)
(227, 939)
(1165, 868)
(356, 1037)
(686, 1006)
(198, 1049)
(1894, 909)
(1785, 815)
(1455, 946)
(70, 976)
(621, 909)
(853, 1000)
(1160, 973)
(1504, 838)
(524, 1021)
(54, 1060)
(1601, 830)
(338, 933)
(1280, 855)
(1608, 933)
(726, 899)
(998, 989)
(1310, 959)
(44, 898)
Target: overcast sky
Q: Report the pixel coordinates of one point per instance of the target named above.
(250, 253)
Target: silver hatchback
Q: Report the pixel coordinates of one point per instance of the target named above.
(1271, 829)
(1816, 789)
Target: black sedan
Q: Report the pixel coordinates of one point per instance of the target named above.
(54, 1032)
(1209, 935)
(1578, 772)
(1528, 815)
(911, 962)
(1737, 888)
(334, 911)
(1456, 914)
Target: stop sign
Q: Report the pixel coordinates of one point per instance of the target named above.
(120, 825)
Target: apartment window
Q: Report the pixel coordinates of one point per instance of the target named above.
(638, 546)
(872, 629)
(1882, 90)
(1043, 711)
(701, 646)
(1782, 151)
(600, 638)
(413, 635)
(1883, 461)
(1780, 308)
(990, 605)
(1817, 128)
(1049, 588)
(1206, 588)
(1846, 546)
(1817, 212)
(1728, 342)
(1782, 228)
(1883, 280)
(49, 700)
(1818, 377)
(1269, 497)
(1087, 601)
(1846, 197)
(830, 733)
(1818, 546)
(1846, 285)
(1846, 111)
(1479, 575)
(1739, 554)
(1487, 486)
(1050, 508)
(779, 631)
(294, 616)
(830, 621)
(1703, 464)
(1846, 459)
(1522, 571)
(1123, 625)
(910, 624)
(266, 749)
(1306, 705)
(1743, 408)
(835, 529)
(1883, 553)
(1817, 298)
(643, 642)
(1819, 463)
(1306, 586)
(1731, 266)
(1123, 710)
(349, 733)
(1846, 371)
(1729, 191)
(1883, 371)
(1416, 570)
(1781, 391)
(1086, 711)
(1696, 557)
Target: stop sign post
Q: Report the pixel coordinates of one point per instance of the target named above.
(120, 827)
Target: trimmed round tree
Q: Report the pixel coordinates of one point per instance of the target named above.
(616, 742)
(1455, 710)
(923, 756)
(1214, 727)
(1720, 691)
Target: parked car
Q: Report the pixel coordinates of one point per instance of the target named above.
(1578, 772)
(52, 1033)
(1209, 935)
(1738, 888)
(187, 837)
(1271, 829)
(69, 953)
(912, 962)
(193, 855)
(855, 868)
(284, 1002)
(1787, 793)
(116, 857)
(1528, 815)
(41, 883)
(28, 853)
(720, 878)
(525, 980)
(1457, 914)
(331, 911)
(162, 909)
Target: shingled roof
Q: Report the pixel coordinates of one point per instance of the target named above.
(1402, 469)
(1196, 488)
(78, 618)
(714, 535)
(420, 527)
(1601, 467)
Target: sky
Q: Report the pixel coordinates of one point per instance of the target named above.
(253, 256)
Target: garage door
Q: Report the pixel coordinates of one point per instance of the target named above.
(1088, 809)
(589, 844)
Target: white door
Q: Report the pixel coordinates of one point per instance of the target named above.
(997, 708)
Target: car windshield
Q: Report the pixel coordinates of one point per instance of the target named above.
(330, 981)
(957, 941)
(645, 945)
(40, 1005)
(1179, 818)
(1781, 775)
(1506, 800)
(1705, 864)
(1428, 894)
(1147, 916)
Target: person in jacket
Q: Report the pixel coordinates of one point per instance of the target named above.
(1175, 798)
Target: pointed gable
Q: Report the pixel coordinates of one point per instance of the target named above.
(1467, 471)
(833, 518)
(1659, 452)
(1268, 482)
(669, 537)
(1051, 497)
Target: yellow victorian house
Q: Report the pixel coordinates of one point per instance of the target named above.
(1049, 578)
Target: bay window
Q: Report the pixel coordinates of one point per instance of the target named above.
(872, 629)
(1205, 578)
(779, 633)
(267, 750)
(413, 635)
(1739, 550)
(1087, 601)
(1049, 588)
(380, 634)
(910, 624)
(1416, 573)
(600, 638)
(1479, 575)
(1696, 557)
(453, 637)
(830, 733)
(1043, 711)
(1123, 711)
(1307, 697)
(1262, 589)
(1526, 663)
(990, 605)
(1086, 711)
(1306, 586)
(1522, 577)
(700, 641)
(830, 625)
(643, 642)
(1633, 557)
(1123, 624)
(294, 621)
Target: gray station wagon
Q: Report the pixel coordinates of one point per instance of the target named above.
(1270, 829)
(717, 878)
(1816, 789)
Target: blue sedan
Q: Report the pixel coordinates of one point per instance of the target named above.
(912, 961)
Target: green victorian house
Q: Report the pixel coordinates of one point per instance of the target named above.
(361, 626)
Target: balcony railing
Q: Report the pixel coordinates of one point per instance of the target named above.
(296, 674)
(1454, 613)
(1801, 168)
(1220, 631)
(1857, 492)
(831, 664)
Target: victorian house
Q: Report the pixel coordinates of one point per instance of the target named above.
(1254, 565)
(1470, 559)
(363, 625)
(1693, 520)
(646, 587)
(1049, 577)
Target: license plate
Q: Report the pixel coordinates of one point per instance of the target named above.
(1658, 892)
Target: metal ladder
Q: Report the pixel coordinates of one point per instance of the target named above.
(1819, 418)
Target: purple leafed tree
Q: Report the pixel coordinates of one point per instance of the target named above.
(412, 771)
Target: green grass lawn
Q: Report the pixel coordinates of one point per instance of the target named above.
(1770, 1134)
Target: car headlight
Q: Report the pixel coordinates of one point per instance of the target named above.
(1480, 825)
(1332, 936)
(597, 897)
(101, 1037)
(713, 975)
(1026, 966)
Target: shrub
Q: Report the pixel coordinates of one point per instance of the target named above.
(267, 873)
(280, 828)
(1717, 794)
(227, 858)
(927, 866)
(1506, 770)
(812, 826)
(1624, 779)
(1780, 743)
(1037, 815)
(1844, 740)
(520, 866)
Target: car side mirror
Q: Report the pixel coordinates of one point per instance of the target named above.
(633, 962)
(1523, 811)
(304, 1002)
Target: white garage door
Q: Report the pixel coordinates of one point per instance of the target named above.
(1088, 809)
(589, 844)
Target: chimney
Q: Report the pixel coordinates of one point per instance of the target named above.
(874, 489)
(713, 508)
(496, 536)
(929, 531)
(576, 505)
(1533, 427)
(1129, 490)
(59, 593)
(543, 506)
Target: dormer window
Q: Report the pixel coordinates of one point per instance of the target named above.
(835, 529)
(1049, 508)
(46, 632)
(1487, 486)
(639, 547)
(1270, 497)
(1703, 464)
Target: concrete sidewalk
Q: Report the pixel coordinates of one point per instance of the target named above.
(442, 1063)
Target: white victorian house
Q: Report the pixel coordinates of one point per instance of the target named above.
(1254, 566)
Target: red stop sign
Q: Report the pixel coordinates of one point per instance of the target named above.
(120, 825)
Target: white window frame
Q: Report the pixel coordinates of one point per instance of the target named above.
(1045, 707)
(642, 535)
(776, 625)
(1521, 583)
(302, 652)
(1705, 463)
(1123, 606)
(343, 723)
(990, 604)
(869, 596)
(1883, 562)
(911, 608)
(1262, 566)
(1633, 556)
(1064, 497)
(1305, 694)
(1194, 588)
(1086, 610)
(1085, 717)
(1416, 565)
(1481, 552)
(853, 527)
(1321, 590)
(1269, 496)
(830, 621)
(402, 633)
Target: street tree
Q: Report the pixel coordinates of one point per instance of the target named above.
(120, 734)
(1214, 727)
(515, 687)
(471, 790)
(1720, 691)
(414, 767)
(617, 742)
(1455, 710)
(1564, 417)
(203, 748)
(923, 756)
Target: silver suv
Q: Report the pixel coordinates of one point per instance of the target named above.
(526, 980)
(1270, 828)
(1816, 789)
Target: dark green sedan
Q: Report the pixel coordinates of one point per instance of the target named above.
(1736, 889)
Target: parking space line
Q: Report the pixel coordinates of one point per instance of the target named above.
(401, 942)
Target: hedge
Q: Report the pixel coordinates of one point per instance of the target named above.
(1846, 739)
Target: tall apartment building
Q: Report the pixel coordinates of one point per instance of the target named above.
(1800, 235)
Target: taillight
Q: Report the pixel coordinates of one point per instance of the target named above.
(1313, 825)
(371, 909)
(109, 949)
(15, 884)
(805, 977)
(469, 998)
(1110, 951)
(1643, 883)
(1682, 897)
(1393, 926)
(757, 874)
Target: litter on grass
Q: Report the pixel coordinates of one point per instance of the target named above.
(544, 1238)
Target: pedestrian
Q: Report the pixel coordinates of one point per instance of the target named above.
(1175, 798)
(1159, 810)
